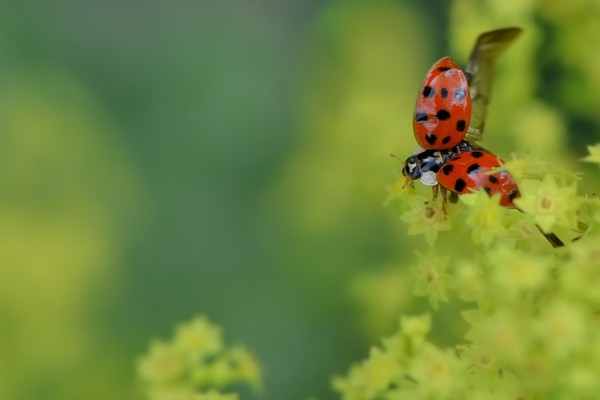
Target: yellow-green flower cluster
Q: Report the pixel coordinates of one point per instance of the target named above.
(532, 311)
(536, 316)
(533, 333)
(407, 366)
(194, 364)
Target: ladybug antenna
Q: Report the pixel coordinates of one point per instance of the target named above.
(409, 180)
(397, 158)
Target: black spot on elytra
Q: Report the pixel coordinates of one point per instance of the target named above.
(460, 94)
(443, 69)
(421, 116)
(444, 93)
(459, 185)
(476, 154)
(461, 124)
(473, 168)
(487, 190)
(443, 115)
(431, 138)
(492, 179)
(446, 140)
(428, 91)
(447, 169)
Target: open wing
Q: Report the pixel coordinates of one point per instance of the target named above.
(480, 73)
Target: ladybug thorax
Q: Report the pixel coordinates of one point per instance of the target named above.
(424, 161)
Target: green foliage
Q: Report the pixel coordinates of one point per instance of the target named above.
(194, 363)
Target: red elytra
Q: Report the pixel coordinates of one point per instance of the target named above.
(443, 108)
(467, 172)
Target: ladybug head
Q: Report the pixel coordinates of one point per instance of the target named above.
(411, 168)
(411, 171)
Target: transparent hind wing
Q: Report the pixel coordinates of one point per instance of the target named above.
(480, 74)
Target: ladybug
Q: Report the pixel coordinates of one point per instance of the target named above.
(467, 172)
(442, 117)
(443, 108)
(449, 117)
(424, 164)
(450, 100)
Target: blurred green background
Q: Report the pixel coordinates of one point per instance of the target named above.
(160, 160)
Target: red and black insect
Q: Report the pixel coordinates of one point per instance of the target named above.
(469, 172)
(479, 75)
(448, 156)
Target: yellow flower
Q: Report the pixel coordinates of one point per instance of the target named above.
(474, 317)
(521, 168)
(476, 357)
(398, 192)
(198, 338)
(502, 335)
(425, 217)
(411, 337)
(581, 275)
(235, 365)
(468, 280)
(549, 204)
(562, 328)
(381, 370)
(196, 359)
(352, 386)
(485, 218)
(438, 372)
(416, 328)
(431, 278)
(246, 366)
(514, 273)
(162, 365)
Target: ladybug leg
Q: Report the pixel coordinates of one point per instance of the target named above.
(435, 191)
(443, 191)
(409, 181)
(551, 238)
